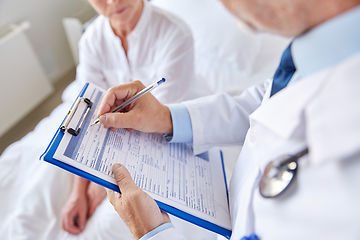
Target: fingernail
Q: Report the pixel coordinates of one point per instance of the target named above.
(115, 167)
(102, 119)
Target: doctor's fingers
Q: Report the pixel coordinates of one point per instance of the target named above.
(129, 190)
(123, 179)
(119, 94)
(154, 118)
(138, 210)
(120, 120)
(165, 217)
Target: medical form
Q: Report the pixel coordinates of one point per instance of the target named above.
(168, 172)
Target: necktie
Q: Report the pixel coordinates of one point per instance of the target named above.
(284, 72)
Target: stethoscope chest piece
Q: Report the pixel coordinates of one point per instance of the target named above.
(279, 174)
(276, 179)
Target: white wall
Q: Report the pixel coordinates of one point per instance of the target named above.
(46, 34)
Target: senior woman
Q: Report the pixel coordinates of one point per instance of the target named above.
(130, 40)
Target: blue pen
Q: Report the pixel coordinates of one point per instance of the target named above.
(136, 96)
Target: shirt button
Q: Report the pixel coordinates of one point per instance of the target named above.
(253, 237)
(252, 134)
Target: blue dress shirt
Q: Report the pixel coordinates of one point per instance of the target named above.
(327, 44)
(323, 46)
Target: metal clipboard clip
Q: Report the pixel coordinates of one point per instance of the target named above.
(64, 126)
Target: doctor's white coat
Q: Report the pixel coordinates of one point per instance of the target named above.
(322, 112)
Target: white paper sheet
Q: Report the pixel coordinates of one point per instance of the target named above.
(169, 173)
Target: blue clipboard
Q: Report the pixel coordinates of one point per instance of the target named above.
(48, 156)
(195, 220)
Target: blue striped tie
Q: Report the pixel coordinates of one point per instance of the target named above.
(284, 72)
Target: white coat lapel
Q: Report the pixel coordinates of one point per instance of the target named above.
(283, 113)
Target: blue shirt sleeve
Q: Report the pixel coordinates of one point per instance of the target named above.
(156, 231)
(182, 129)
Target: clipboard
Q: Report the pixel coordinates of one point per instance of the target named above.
(48, 156)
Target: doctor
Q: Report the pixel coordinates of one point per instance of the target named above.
(311, 103)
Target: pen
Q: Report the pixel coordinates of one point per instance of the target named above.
(136, 96)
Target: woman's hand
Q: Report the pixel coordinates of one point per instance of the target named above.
(145, 114)
(138, 210)
(74, 213)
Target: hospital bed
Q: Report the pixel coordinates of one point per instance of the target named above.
(33, 192)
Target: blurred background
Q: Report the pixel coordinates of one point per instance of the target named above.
(36, 60)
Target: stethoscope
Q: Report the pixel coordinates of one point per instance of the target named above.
(277, 177)
(279, 174)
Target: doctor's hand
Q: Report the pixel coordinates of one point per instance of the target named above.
(145, 114)
(137, 209)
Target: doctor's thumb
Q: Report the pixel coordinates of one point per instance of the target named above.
(123, 178)
(116, 120)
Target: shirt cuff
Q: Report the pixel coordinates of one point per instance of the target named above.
(182, 129)
(156, 231)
